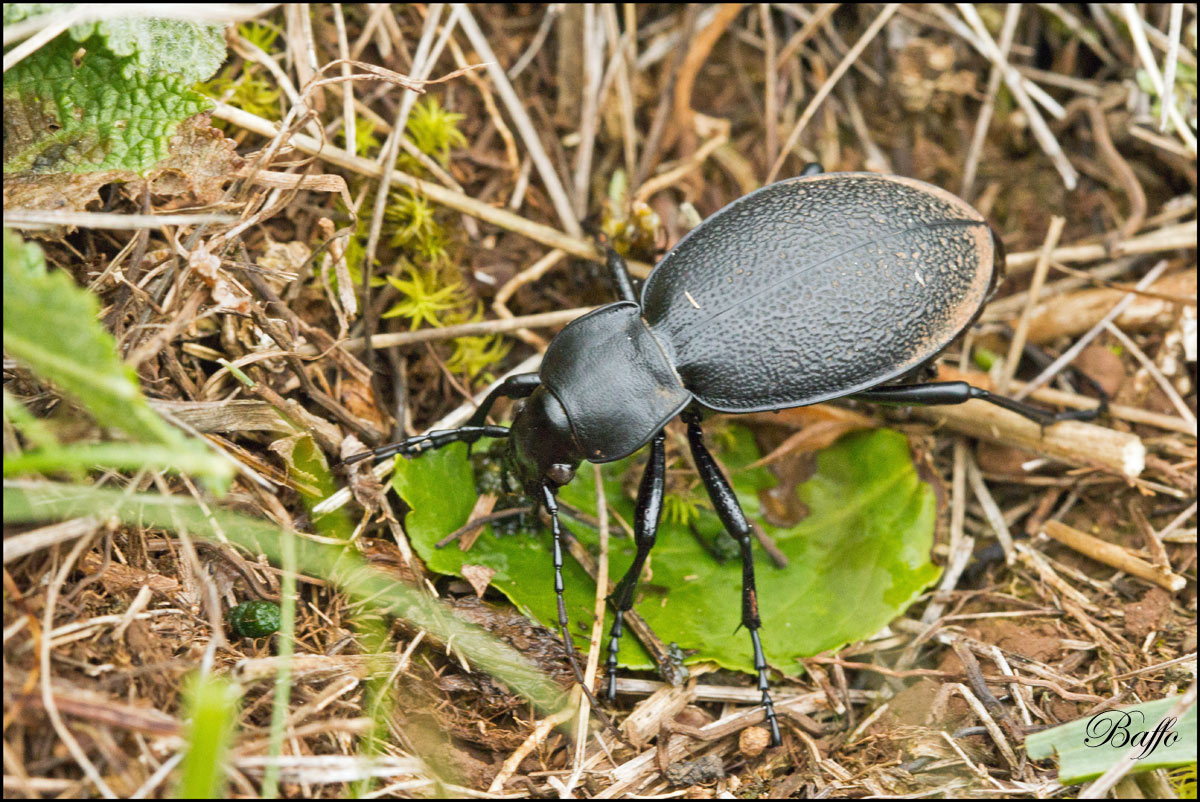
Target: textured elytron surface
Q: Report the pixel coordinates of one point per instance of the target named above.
(613, 380)
(814, 288)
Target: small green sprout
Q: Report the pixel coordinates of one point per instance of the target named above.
(412, 216)
(260, 34)
(984, 358)
(365, 140)
(423, 299)
(472, 355)
(244, 89)
(680, 510)
(434, 130)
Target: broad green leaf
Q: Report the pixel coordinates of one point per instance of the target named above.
(1088, 747)
(440, 489)
(51, 325)
(15, 12)
(857, 561)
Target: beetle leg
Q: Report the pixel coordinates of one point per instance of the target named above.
(550, 503)
(1039, 415)
(730, 512)
(1042, 360)
(645, 530)
(430, 440)
(519, 385)
(619, 272)
(940, 393)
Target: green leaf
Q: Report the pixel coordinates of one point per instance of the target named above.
(122, 456)
(71, 113)
(856, 562)
(1088, 747)
(194, 51)
(51, 325)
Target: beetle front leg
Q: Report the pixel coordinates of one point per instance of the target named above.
(645, 530)
(430, 440)
(728, 509)
(551, 504)
(519, 385)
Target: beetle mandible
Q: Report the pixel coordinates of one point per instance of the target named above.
(824, 286)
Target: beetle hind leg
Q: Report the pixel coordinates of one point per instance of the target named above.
(645, 530)
(958, 392)
(730, 512)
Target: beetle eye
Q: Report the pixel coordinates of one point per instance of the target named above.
(560, 474)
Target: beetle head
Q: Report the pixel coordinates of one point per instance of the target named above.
(543, 446)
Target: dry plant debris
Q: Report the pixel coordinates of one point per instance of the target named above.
(320, 284)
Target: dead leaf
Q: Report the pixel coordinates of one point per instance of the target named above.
(479, 576)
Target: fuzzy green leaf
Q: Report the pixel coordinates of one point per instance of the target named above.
(192, 50)
(71, 113)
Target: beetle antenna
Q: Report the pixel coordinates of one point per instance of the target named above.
(551, 504)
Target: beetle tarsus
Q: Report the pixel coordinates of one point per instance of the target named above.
(764, 685)
(614, 646)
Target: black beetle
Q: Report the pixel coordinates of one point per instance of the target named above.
(824, 286)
